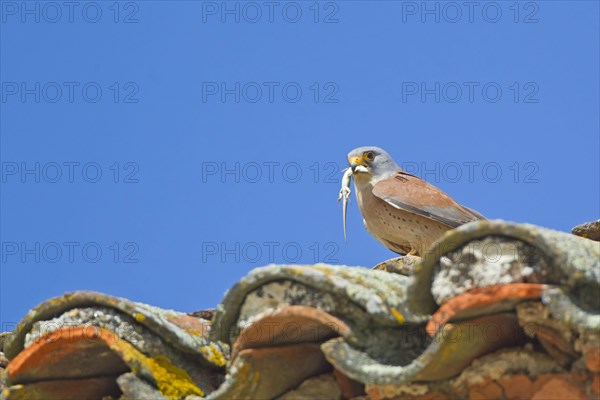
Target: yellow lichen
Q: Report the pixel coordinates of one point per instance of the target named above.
(213, 354)
(398, 316)
(256, 378)
(139, 317)
(172, 381)
(297, 271)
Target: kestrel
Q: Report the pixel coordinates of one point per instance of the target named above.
(402, 211)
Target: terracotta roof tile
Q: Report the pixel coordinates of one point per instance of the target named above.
(523, 322)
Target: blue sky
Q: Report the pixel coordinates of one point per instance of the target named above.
(160, 150)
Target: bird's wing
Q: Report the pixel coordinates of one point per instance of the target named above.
(474, 212)
(411, 193)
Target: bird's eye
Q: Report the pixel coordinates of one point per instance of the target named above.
(369, 156)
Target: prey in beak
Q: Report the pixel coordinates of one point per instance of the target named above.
(345, 195)
(362, 165)
(357, 164)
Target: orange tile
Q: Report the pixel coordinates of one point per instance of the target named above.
(66, 354)
(480, 298)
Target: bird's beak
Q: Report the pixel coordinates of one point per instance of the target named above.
(357, 164)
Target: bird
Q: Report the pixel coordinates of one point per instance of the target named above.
(402, 211)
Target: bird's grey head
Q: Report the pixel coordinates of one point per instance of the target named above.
(371, 161)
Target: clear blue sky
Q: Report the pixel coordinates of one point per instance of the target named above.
(226, 138)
